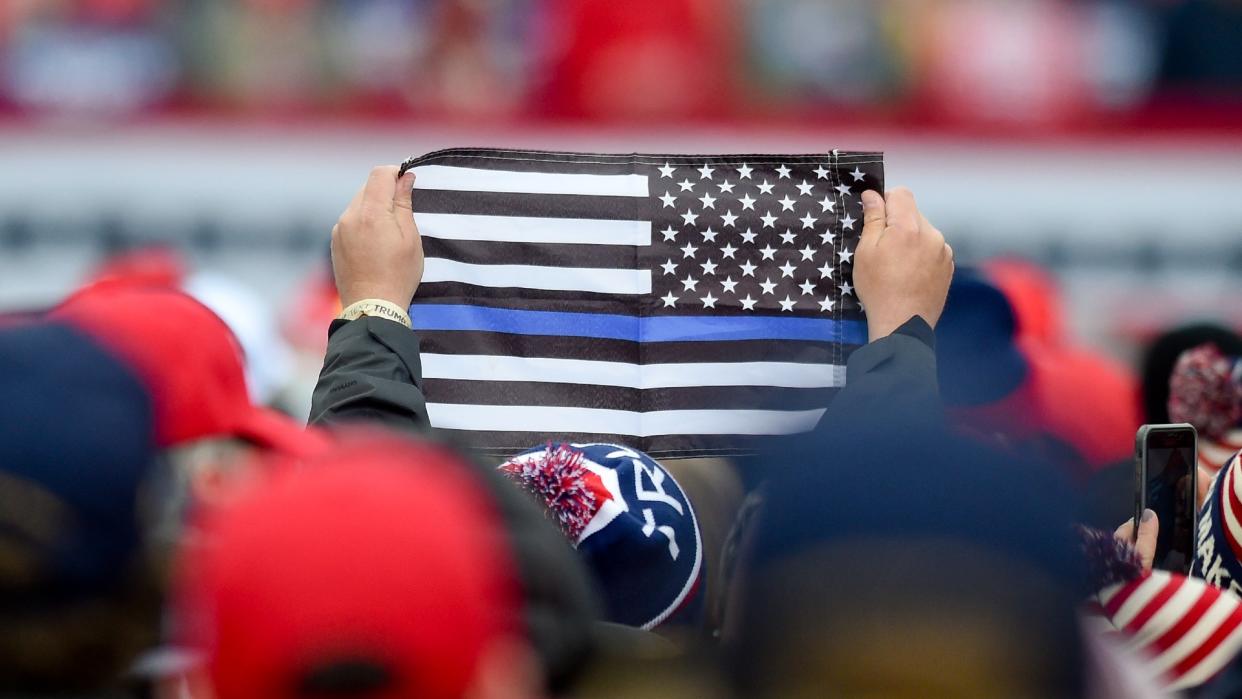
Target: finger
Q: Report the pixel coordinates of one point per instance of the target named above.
(402, 197)
(874, 215)
(402, 205)
(903, 212)
(380, 187)
(1149, 530)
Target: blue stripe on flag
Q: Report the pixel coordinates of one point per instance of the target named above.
(619, 327)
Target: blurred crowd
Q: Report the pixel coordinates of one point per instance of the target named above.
(1025, 62)
(947, 530)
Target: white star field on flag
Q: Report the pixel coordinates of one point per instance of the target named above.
(757, 237)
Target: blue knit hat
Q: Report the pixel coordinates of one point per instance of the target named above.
(629, 520)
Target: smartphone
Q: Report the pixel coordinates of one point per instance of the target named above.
(1165, 457)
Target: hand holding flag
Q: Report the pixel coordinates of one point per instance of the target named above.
(377, 252)
(903, 265)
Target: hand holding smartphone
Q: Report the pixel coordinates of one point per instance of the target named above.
(1165, 474)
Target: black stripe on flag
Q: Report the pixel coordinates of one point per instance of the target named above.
(619, 398)
(522, 299)
(540, 254)
(466, 342)
(598, 207)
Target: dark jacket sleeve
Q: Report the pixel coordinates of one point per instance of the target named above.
(895, 374)
(371, 373)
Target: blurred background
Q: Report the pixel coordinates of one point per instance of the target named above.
(1101, 139)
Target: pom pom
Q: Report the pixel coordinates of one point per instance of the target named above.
(1204, 390)
(1109, 560)
(557, 477)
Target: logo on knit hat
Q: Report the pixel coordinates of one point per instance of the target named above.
(627, 517)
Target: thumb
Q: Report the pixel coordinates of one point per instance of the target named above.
(402, 204)
(405, 186)
(874, 216)
(1149, 530)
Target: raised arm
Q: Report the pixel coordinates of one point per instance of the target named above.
(902, 270)
(371, 371)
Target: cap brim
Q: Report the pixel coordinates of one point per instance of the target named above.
(280, 433)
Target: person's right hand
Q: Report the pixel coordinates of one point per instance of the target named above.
(376, 249)
(902, 266)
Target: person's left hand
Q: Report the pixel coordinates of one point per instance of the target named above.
(1149, 529)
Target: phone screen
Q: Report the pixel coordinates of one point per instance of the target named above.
(1170, 457)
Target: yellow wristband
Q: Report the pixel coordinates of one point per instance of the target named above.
(376, 308)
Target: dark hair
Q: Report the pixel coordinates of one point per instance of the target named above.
(346, 677)
(53, 644)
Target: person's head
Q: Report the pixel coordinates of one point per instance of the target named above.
(191, 361)
(77, 598)
(631, 523)
(1162, 354)
(898, 561)
(377, 569)
(977, 358)
(191, 364)
(1205, 390)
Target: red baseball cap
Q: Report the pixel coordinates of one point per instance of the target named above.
(191, 363)
(380, 563)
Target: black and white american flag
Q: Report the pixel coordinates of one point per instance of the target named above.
(684, 305)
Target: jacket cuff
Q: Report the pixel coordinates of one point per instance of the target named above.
(912, 342)
(337, 324)
(920, 330)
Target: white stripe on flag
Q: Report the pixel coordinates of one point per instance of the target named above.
(602, 281)
(526, 229)
(467, 179)
(578, 371)
(552, 420)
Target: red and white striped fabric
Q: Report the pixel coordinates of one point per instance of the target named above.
(1188, 629)
(1226, 497)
